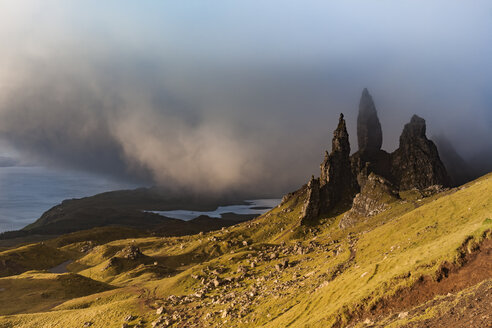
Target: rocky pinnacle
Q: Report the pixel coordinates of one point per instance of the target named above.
(338, 184)
(416, 163)
(369, 133)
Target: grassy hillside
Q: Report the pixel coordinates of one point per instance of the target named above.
(273, 272)
(37, 291)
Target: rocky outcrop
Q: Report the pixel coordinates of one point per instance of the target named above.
(373, 199)
(310, 211)
(338, 183)
(377, 174)
(131, 252)
(365, 162)
(369, 133)
(416, 163)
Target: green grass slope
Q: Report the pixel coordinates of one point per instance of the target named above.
(273, 272)
(37, 291)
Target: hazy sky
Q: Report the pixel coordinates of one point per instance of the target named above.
(234, 95)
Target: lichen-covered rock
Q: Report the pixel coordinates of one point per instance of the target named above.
(373, 199)
(369, 133)
(416, 163)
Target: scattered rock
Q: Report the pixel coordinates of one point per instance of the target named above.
(131, 317)
(402, 315)
(131, 252)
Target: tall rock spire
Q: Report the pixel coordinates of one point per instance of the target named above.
(369, 133)
(416, 163)
(339, 158)
(370, 157)
(338, 185)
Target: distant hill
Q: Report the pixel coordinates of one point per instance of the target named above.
(125, 208)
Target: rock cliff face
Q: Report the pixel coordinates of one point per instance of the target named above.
(310, 211)
(416, 163)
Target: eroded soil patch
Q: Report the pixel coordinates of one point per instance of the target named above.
(451, 278)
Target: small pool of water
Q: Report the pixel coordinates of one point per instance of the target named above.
(255, 206)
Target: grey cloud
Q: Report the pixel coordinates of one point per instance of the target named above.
(231, 104)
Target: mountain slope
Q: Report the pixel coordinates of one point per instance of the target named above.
(275, 272)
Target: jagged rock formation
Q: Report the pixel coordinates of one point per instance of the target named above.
(338, 184)
(365, 162)
(369, 133)
(416, 163)
(373, 199)
(310, 211)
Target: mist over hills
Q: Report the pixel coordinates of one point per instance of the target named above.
(144, 97)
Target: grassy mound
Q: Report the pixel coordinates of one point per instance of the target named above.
(31, 257)
(37, 291)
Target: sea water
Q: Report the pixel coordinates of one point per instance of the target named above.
(26, 192)
(255, 206)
